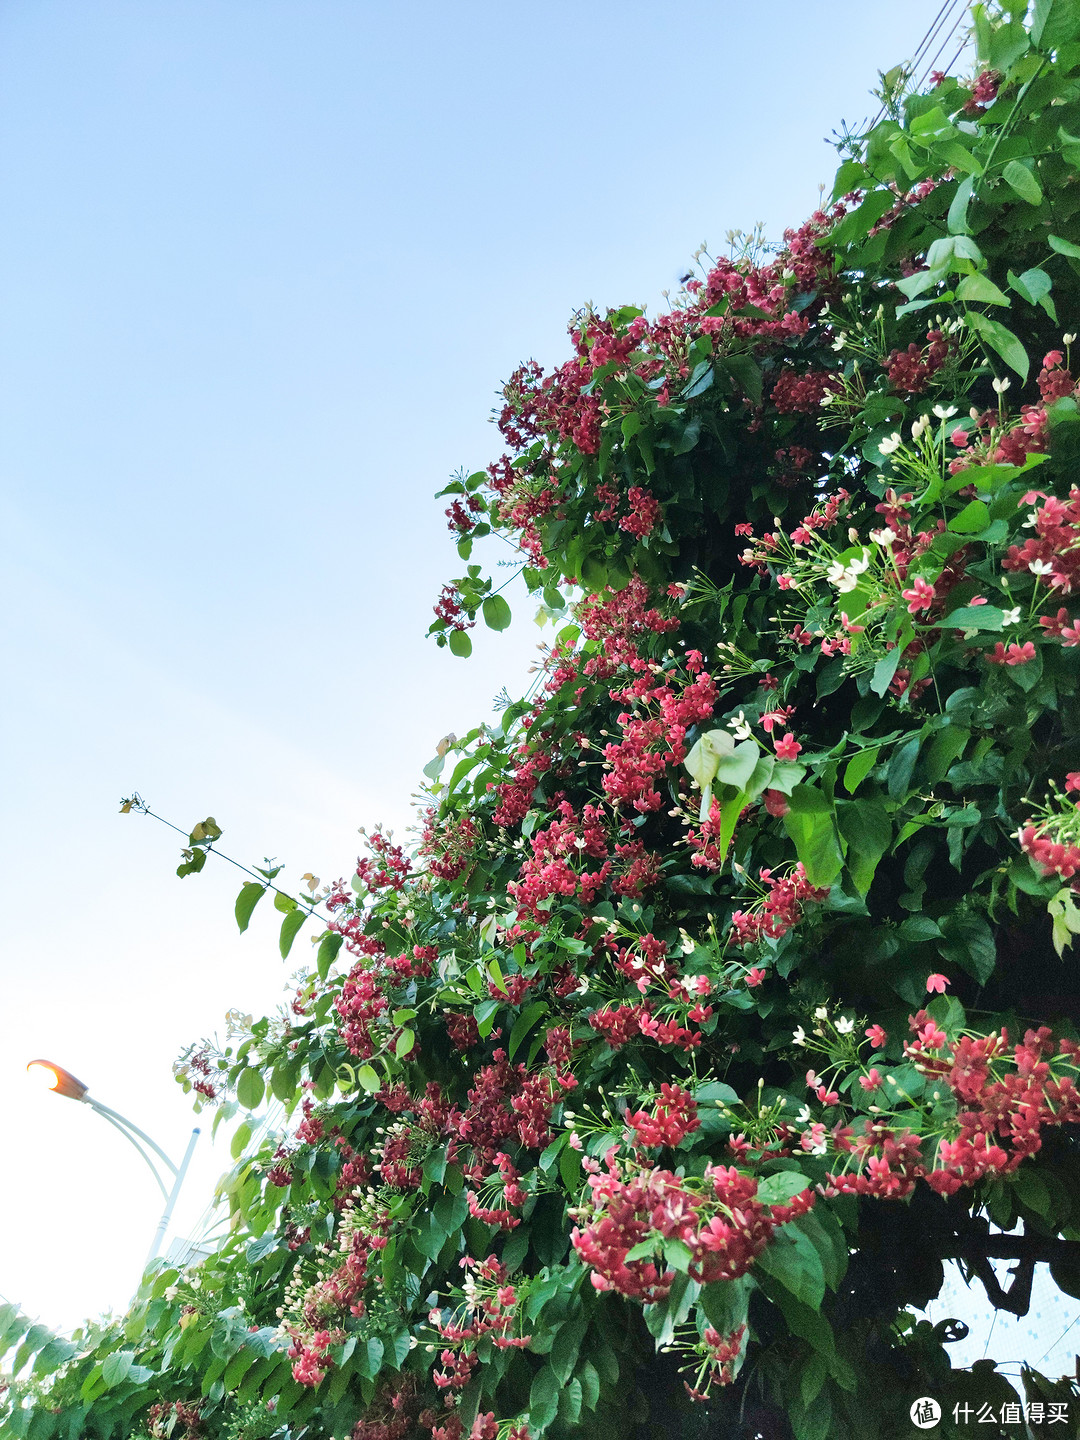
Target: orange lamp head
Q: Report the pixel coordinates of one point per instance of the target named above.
(55, 1077)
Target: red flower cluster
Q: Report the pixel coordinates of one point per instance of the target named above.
(802, 394)
(449, 609)
(448, 844)
(779, 910)
(654, 735)
(1055, 855)
(909, 370)
(388, 866)
(674, 1117)
(619, 620)
(1053, 552)
(723, 1226)
(310, 1359)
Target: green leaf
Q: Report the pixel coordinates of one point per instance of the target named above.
(736, 768)
(250, 1088)
(543, 1399)
(329, 946)
(590, 1382)
(957, 221)
(974, 517)
(404, 1043)
(1020, 179)
(969, 943)
(701, 378)
(706, 755)
(1063, 247)
(809, 822)
(884, 670)
(460, 644)
(975, 617)
(778, 1189)
(115, 1367)
(523, 1024)
(980, 289)
(564, 1350)
(371, 1357)
(793, 1260)
(496, 612)
(1054, 23)
(1033, 285)
(290, 928)
(250, 895)
(866, 825)
(570, 1398)
(1001, 340)
(367, 1077)
(902, 766)
(858, 767)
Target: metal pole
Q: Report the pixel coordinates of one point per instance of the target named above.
(166, 1214)
(115, 1116)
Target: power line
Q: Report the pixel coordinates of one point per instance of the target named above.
(954, 10)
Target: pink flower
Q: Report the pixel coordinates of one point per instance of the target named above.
(787, 747)
(877, 1036)
(772, 718)
(1015, 654)
(935, 984)
(871, 1081)
(755, 977)
(1070, 634)
(776, 803)
(920, 596)
(1072, 780)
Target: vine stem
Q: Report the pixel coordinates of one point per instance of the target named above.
(143, 809)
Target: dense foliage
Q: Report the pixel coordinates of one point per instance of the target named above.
(728, 989)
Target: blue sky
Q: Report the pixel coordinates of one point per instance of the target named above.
(262, 268)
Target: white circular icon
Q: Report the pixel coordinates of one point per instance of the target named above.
(925, 1413)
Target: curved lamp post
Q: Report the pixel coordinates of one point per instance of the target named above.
(55, 1077)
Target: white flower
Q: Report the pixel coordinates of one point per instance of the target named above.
(845, 1025)
(1032, 520)
(920, 425)
(1040, 567)
(1000, 386)
(803, 1115)
(944, 412)
(799, 1035)
(740, 726)
(583, 988)
(1011, 617)
(1068, 339)
(846, 577)
(841, 341)
(890, 443)
(884, 536)
(821, 1013)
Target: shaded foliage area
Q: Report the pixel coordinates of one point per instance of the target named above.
(728, 989)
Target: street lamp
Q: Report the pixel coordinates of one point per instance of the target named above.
(56, 1078)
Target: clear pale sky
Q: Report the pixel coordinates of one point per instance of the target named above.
(263, 264)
